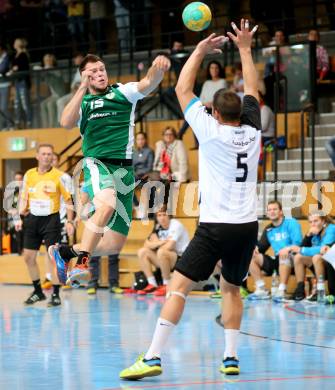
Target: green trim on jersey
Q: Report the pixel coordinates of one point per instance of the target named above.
(99, 176)
(106, 125)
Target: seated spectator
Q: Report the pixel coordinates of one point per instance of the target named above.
(143, 159)
(113, 274)
(330, 276)
(5, 121)
(63, 101)
(282, 234)
(171, 161)
(267, 119)
(161, 249)
(321, 233)
(238, 83)
(178, 56)
(22, 84)
(55, 82)
(322, 56)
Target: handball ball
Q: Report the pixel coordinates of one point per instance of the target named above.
(197, 16)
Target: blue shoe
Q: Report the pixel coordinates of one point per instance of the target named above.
(230, 366)
(61, 265)
(80, 275)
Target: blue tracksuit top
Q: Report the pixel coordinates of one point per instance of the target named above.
(312, 245)
(278, 237)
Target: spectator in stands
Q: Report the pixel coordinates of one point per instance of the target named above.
(330, 275)
(267, 119)
(178, 57)
(283, 235)
(22, 83)
(215, 81)
(143, 159)
(75, 19)
(322, 56)
(5, 122)
(321, 233)
(63, 101)
(56, 84)
(98, 14)
(238, 83)
(161, 249)
(171, 160)
(16, 237)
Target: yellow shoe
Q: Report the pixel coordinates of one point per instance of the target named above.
(230, 366)
(116, 290)
(91, 291)
(142, 368)
(66, 287)
(46, 285)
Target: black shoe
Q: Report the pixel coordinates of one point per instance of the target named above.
(35, 297)
(54, 301)
(312, 298)
(298, 295)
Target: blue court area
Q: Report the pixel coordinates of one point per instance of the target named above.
(85, 343)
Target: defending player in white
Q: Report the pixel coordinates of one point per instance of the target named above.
(228, 159)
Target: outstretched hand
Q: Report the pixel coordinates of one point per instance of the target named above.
(212, 44)
(243, 37)
(162, 63)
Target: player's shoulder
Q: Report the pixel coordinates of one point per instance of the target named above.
(31, 172)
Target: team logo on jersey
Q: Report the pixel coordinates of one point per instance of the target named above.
(110, 96)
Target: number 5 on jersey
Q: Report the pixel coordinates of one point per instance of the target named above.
(242, 165)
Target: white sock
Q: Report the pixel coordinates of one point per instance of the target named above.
(48, 275)
(260, 284)
(152, 281)
(166, 282)
(162, 333)
(231, 336)
(282, 287)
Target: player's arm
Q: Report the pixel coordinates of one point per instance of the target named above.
(243, 40)
(187, 77)
(70, 115)
(154, 76)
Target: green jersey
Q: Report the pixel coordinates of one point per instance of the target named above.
(107, 122)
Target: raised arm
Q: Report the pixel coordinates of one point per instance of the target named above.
(154, 76)
(187, 77)
(242, 40)
(70, 115)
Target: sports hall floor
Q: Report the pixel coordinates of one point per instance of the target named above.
(87, 341)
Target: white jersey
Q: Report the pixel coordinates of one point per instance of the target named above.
(228, 161)
(175, 232)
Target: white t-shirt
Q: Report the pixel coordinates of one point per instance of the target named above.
(175, 232)
(209, 88)
(228, 161)
(67, 183)
(268, 122)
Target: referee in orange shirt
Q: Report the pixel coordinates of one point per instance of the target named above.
(42, 190)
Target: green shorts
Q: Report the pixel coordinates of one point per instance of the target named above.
(101, 175)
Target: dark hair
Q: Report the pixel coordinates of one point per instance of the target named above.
(227, 104)
(222, 73)
(141, 133)
(19, 173)
(162, 209)
(90, 58)
(174, 131)
(275, 202)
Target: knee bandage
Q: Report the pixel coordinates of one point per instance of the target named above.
(180, 294)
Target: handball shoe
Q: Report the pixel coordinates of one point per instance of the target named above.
(142, 368)
(61, 265)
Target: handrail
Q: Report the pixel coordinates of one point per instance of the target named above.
(310, 109)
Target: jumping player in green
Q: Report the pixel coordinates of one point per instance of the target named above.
(106, 119)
